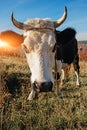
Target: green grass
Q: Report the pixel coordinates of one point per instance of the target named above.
(47, 111)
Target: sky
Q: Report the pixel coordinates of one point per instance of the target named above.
(53, 9)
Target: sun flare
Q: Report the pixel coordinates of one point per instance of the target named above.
(3, 44)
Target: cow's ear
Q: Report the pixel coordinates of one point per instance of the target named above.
(12, 38)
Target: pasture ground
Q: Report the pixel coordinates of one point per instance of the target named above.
(47, 111)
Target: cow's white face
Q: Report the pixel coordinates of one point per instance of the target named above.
(38, 46)
(39, 40)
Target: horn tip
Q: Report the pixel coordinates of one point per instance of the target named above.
(65, 9)
(12, 15)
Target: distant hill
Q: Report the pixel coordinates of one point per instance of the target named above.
(82, 42)
(82, 49)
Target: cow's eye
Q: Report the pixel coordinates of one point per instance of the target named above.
(26, 49)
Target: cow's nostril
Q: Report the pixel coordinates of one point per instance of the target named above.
(36, 86)
(46, 86)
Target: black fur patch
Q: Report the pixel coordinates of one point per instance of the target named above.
(66, 45)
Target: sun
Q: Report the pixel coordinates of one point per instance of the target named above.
(4, 44)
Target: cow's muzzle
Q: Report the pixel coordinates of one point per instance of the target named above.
(42, 87)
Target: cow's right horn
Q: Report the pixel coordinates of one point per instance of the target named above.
(19, 24)
(16, 23)
(61, 20)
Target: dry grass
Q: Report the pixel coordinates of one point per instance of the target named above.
(47, 112)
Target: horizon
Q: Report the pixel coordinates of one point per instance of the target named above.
(44, 9)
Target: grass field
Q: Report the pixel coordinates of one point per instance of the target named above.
(47, 111)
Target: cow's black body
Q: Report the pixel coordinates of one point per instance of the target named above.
(66, 47)
(67, 52)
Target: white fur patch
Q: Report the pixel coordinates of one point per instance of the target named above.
(78, 79)
(40, 23)
(40, 45)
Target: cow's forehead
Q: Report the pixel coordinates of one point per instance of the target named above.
(37, 22)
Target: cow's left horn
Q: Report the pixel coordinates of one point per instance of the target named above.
(16, 23)
(62, 19)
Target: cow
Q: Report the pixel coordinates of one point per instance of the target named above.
(38, 41)
(66, 53)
